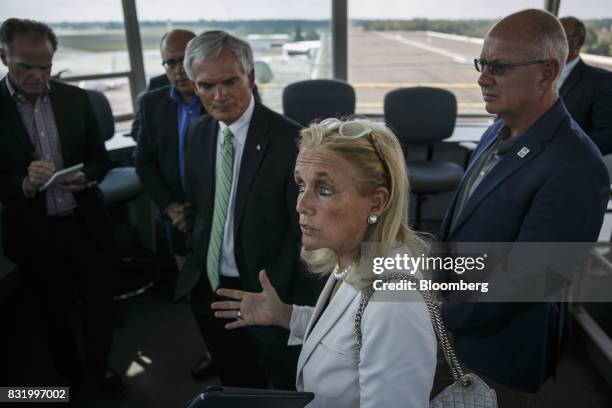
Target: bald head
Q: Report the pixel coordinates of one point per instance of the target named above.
(176, 39)
(575, 32)
(520, 62)
(172, 47)
(534, 34)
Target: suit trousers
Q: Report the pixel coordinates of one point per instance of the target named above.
(233, 351)
(65, 270)
(242, 359)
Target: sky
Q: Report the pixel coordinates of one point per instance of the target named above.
(111, 10)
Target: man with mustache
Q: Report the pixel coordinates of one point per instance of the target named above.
(534, 177)
(242, 219)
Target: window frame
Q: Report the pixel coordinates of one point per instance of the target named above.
(339, 30)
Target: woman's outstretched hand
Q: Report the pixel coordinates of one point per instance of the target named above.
(253, 309)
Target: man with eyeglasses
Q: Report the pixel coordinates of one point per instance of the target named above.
(534, 177)
(164, 115)
(242, 219)
(586, 90)
(59, 236)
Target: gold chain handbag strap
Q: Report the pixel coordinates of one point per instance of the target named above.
(434, 314)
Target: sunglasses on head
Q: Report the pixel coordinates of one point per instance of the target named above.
(354, 129)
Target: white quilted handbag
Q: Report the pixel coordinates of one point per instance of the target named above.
(468, 390)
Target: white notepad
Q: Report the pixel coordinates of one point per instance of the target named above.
(61, 175)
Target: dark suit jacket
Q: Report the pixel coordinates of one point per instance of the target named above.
(266, 230)
(24, 220)
(558, 192)
(156, 155)
(587, 94)
(157, 82)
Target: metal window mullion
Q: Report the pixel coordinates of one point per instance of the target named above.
(132, 34)
(552, 6)
(339, 29)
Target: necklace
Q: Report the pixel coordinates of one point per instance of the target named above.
(341, 275)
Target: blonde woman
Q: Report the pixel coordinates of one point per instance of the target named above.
(353, 188)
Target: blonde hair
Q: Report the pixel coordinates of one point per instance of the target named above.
(369, 173)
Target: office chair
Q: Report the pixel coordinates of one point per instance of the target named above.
(420, 117)
(306, 101)
(121, 186)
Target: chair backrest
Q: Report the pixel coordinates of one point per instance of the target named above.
(306, 101)
(103, 112)
(421, 115)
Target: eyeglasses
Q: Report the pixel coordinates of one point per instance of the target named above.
(354, 129)
(172, 63)
(500, 68)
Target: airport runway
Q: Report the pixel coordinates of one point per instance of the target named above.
(379, 61)
(382, 61)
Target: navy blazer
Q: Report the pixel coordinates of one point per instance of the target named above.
(557, 192)
(587, 94)
(156, 155)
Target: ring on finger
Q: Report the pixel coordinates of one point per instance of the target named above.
(239, 315)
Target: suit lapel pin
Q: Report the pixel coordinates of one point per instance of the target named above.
(258, 147)
(523, 152)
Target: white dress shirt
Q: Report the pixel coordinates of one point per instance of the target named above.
(240, 129)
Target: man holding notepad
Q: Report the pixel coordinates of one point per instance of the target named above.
(54, 223)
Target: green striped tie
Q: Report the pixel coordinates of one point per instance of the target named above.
(223, 187)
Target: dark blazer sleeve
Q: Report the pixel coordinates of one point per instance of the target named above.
(146, 158)
(576, 216)
(137, 117)
(190, 209)
(601, 116)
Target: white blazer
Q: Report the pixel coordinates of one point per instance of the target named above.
(397, 363)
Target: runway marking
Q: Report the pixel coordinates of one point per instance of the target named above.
(389, 85)
(455, 37)
(446, 85)
(462, 105)
(455, 57)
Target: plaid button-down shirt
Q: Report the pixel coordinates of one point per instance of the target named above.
(39, 121)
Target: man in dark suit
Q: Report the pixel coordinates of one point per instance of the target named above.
(58, 236)
(164, 117)
(239, 184)
(534, 177)
(586, 90)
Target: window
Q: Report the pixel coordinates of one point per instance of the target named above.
(91, 39)
(291, 40)
(597, 17)
(397, 43)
